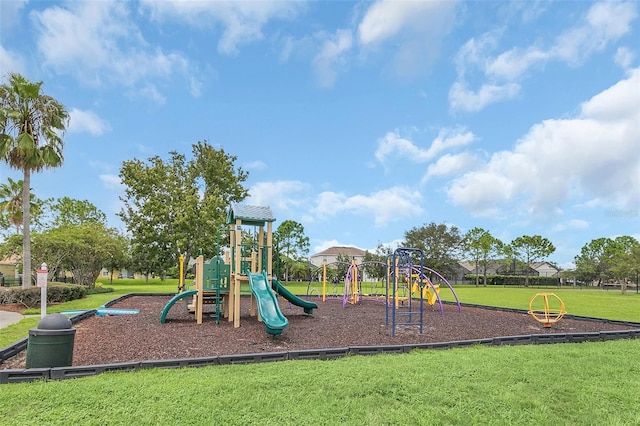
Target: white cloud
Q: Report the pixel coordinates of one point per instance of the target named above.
(463, 99)
(416, 28)
(151, 92)
(619, 102)
(603, 24)
(475, 53)
(571, 224)
(99, 44)
(9, 13)
(483, 192)
(283, 195)
(112, 182)
(450, 138)
(255, 165)
(195, 87)
(242, 21)
(392, 145)
(385, 206)
(449, 164)
(10, 62)
(385, 18)
(593, 155)
(514, 63)
(624, 57)
(330, 60)
(87, 121)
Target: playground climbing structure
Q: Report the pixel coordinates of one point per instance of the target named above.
(248, 261)
(408, 286)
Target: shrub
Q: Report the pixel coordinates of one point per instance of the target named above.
(30, 297)
(516, 280)
(98, 290)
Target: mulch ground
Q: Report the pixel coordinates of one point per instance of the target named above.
(141, 337)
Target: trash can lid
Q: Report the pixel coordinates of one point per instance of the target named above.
(55, 322)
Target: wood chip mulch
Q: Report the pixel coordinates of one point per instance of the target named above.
(141, 337)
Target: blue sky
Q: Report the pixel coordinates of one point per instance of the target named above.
(360, 120)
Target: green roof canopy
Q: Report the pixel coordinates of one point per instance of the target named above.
(249, 215)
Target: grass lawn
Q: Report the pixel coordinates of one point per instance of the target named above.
(580, 383)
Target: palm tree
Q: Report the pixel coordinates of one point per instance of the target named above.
(11, 204)
(31, 125)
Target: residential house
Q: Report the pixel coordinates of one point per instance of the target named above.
(331, 254)
(9, 266)
(545, 269)
(500, 267)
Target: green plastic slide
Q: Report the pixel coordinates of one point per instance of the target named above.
(295, 300)
(267, 302)
(173, 300)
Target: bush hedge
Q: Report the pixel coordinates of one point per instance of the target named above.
(56, 293)
(516, 280)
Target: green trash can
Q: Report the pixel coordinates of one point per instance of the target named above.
(51, 344)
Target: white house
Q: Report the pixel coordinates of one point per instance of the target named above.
(331, 254)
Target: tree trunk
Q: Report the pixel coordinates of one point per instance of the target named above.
(26, 230)
(477, 274)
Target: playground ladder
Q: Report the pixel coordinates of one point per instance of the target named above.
(216, 284)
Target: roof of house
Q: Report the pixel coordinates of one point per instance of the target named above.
(11, 260)
(347, 251)
(537, 265)
(250, 215)
(469, 266)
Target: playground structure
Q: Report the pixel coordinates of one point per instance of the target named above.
(406, 265)
(551, 312)
(407, 286)
(424, 285)
(218, 281)
(350, 289)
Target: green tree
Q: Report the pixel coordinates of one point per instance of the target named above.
(177, 206)
(341, 268)
(119, 256)
(31, 124)
(440, 244)
(482, 247)
(624, 258)
(68, 211)
(82, 249)
(593, 261)
(376, 266)
(528, 250)
(300, 270)
(77, 239)
(292, 245)
(11, 205)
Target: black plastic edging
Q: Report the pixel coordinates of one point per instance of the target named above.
(91, 370)
(181, 362)
(57, 373)
(26, 375)
(253, 358)
(14, 349)
(376, 350)
(318, 353)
